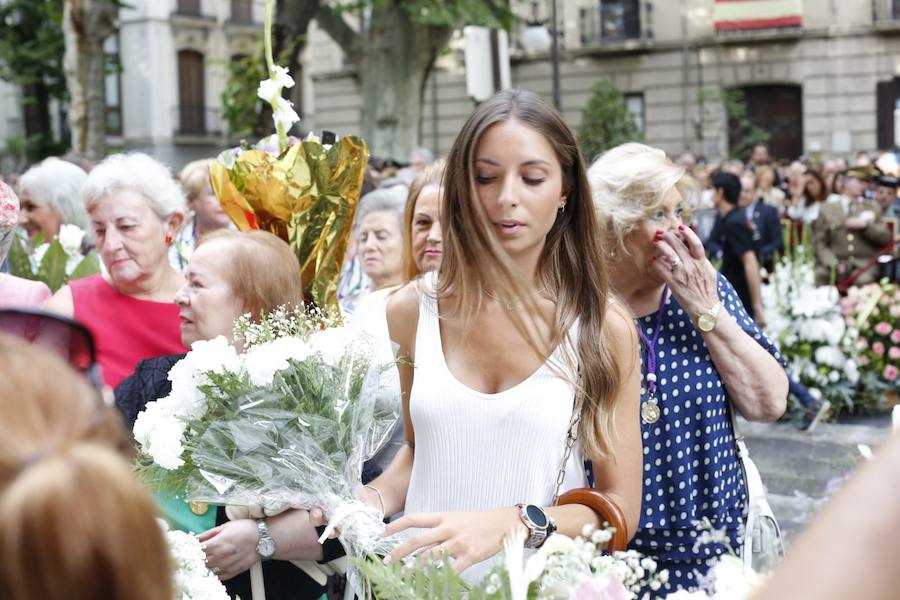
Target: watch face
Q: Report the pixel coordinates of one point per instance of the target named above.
(706, 322)
(266, 547)
(536, 515)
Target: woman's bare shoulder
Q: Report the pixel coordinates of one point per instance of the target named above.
(403, 314)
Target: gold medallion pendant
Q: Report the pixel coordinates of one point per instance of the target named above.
(199, 508)
(650, 412)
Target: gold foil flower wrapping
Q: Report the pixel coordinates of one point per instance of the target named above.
(307, 196)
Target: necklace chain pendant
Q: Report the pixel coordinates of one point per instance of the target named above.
(650, 411)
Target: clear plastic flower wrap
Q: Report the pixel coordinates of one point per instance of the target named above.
(288, 423)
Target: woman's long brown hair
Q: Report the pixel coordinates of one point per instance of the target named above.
(572, 265)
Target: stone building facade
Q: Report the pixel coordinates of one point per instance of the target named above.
(828, 86)
(174, 56)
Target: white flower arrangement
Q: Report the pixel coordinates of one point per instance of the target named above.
(564, 569)
(193, 580)
(808, 324)
(286, 423)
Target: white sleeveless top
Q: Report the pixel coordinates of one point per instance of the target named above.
(477, 451)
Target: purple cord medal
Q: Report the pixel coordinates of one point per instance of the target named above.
(650, 409)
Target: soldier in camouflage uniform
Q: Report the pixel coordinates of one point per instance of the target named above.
(849, 232)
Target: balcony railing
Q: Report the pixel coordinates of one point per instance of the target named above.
(885, 11)
(605, 22)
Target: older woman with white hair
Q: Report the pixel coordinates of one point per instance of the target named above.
(50, 195)
(136, 209)
(703, 357)
(379, 235)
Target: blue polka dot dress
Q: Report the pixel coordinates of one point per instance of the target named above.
(690, 469)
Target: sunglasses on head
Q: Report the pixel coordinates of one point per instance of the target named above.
(67, 338)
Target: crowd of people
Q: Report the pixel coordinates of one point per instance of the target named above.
(527, 296)
(848, 212)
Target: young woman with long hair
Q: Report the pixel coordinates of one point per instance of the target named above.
(513, 345)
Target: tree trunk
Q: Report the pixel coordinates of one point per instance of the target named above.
(392, 71)
(86, 25)
(393, 57)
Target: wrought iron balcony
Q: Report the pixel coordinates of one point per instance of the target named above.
(614, 22)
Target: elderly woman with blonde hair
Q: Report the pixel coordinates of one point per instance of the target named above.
(703, 357)
(206, 214)
(136, 209)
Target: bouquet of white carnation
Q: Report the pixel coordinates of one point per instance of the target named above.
(193, 580)
(286, 423)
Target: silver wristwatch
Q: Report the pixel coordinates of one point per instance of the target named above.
(540, 525)
(265, 547)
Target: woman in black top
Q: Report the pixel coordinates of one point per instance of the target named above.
(231, 274)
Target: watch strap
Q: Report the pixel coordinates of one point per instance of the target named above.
(265, 547)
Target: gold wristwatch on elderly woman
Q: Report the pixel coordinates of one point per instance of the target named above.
(706, 322)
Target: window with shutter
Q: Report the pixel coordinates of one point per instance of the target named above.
(191, 94)
(888, 111)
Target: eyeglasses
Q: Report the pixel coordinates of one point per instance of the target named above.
(67, 338)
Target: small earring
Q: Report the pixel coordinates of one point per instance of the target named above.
(562, 208)
(168, 240)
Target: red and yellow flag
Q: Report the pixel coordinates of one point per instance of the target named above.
(731, 15)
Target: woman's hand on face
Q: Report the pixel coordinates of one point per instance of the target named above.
(681, 261)
(467, 537)
(231, 547)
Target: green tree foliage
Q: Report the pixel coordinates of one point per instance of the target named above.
(605, 121)
(393, 51)
(241, 108)
(743, 135)
(31, 56)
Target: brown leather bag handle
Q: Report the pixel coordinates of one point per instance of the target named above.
(607, 510)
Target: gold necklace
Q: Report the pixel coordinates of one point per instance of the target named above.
(509, 305)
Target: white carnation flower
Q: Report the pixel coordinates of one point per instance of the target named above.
(159, 433)
(264, 360)
(332, 344)
(193, 580)
(830, 356)
(214, 356)
(188, 374)
(732, 578)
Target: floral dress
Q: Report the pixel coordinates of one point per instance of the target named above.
(691, 470)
